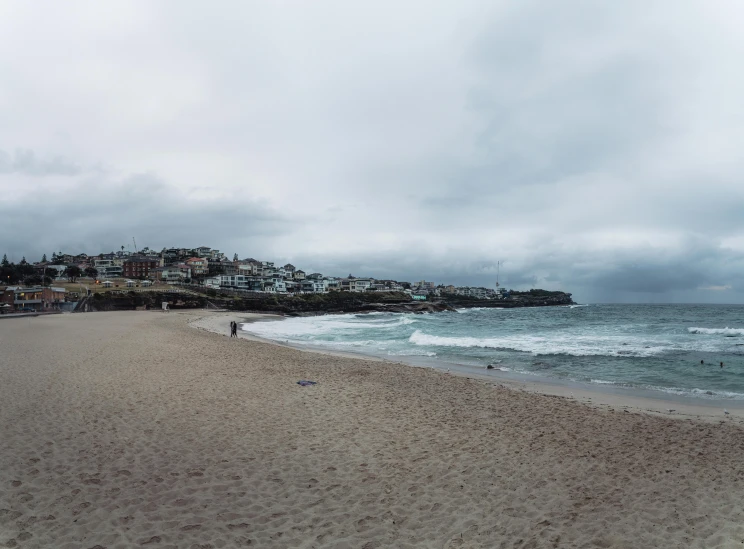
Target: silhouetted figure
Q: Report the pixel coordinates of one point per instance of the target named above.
(721, 364)
(233, 329)
(702, 362)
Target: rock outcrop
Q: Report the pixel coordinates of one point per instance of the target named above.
(532, 298)
(313, 304)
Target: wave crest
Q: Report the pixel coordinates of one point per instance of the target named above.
(728, 332)
(541, 346)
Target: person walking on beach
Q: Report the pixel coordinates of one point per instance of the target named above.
(233, 329)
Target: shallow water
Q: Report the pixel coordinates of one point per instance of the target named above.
(649, 347)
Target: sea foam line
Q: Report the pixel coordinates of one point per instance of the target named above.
(567, 345)
(728, 332)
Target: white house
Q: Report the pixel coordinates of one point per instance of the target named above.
(108, 268)
(313, 286)
(175, 274)
(248, 269)
(279, 284)
(361, 284)
(479, 293)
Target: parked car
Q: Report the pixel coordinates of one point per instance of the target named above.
(27, 310)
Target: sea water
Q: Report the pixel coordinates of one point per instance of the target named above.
(654, 348)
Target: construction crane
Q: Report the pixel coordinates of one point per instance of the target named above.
(135, 245)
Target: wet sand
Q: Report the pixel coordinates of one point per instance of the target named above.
(136, 429)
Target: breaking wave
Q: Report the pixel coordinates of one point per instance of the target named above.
(728, 332)
(568, 345)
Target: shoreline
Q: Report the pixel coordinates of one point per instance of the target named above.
(617, 399)
(137, 429)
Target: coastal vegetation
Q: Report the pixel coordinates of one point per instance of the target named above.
(310, 304)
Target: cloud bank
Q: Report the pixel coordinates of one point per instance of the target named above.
(592, 148)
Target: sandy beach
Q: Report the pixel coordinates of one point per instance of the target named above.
(137, 429)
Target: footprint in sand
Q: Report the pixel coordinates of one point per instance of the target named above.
(79, 508)
(7, 514)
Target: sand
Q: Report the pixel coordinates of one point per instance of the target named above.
(135, 429)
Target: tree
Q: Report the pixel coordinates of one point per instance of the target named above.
(8, 274)
(23, 261)
(91, 272)
(72, 272)
(235, 257)
(33, 280)
(43, 258)
(5, 261)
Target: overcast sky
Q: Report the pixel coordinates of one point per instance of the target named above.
(594, 147)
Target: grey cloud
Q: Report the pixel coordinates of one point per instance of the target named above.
(98, 215)
(592, 147)
(25, 161)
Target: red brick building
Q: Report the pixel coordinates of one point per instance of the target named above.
(139, 267)
(35, 298)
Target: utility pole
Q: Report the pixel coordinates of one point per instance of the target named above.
(135, 245)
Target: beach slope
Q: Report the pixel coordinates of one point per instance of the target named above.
(135, 429)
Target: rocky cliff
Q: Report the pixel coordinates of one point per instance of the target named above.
(312, 304)
(532, 298)
(337, 302)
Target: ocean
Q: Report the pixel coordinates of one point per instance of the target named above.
(653, 349)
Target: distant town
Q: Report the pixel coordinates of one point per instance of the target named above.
(189, 267)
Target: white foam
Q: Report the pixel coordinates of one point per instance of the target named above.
(678, 391)
(704, 393)
(308, 327)
(573, 345)
(728, 332)
(412, 352)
